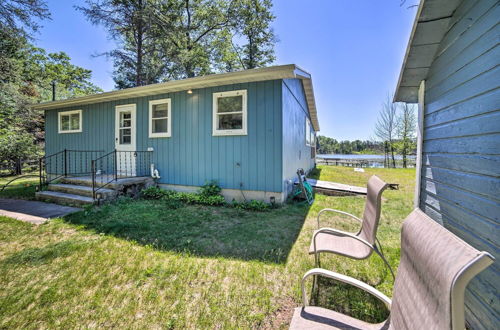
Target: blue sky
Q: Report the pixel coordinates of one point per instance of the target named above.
(353, 49)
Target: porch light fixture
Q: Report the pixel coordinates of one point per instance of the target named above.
(190, 91)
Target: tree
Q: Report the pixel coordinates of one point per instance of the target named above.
(406, 130)
(159, 40)
(255, 19)
(194, 44)
(25, 79)
(16, 145)
(19, 17)
(26, 74)
(385, 128)
(130, 23)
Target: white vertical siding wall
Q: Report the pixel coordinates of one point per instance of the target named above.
(460, 178)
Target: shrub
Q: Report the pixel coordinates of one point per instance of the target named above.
(211, 200)
(185, 197)
(153, 193)
(209, 195)
(252, 205)
(210, 188)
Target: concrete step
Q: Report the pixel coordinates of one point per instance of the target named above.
(63, 198)
(81, 190)
(103, 179)
(85, 180)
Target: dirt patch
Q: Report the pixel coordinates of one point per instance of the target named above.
(282, 317)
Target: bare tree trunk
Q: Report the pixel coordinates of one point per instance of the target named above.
(138, 69)
(18, 167)
(386, 126)
(392, 155)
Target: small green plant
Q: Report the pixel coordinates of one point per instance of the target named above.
(252, 205)
(209, 194)
(153, 193)
(210, 188)
(214, 200)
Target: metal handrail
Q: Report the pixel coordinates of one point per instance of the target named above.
(108, 164)
(68, 167)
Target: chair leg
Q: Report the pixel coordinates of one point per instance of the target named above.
(317, 260)
(385, 261)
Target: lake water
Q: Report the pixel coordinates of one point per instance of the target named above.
(373, 160)
(356, 156)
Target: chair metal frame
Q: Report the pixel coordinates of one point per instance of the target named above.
(340, 233)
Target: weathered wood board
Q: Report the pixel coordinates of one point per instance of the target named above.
(335, 189)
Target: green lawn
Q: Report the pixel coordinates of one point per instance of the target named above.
(23, 188)
(151, 264)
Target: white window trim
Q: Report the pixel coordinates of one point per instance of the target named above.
(420, 139)
(66, 113)
(169, 117)
(226, 132)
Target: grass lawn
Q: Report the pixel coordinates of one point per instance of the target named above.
(23, 188)
(151, 264)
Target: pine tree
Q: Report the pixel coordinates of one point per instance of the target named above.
(255, 27)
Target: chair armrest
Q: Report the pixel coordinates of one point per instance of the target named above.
(336, 232)
(337, 211)
(345, 279)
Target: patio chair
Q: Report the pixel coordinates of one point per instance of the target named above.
(358, 245)
(429, 289)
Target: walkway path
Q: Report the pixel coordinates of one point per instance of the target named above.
(33, 212)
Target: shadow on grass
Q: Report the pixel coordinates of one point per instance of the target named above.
(199, 230)
(349, 300)
(19, 191)
(42, 255)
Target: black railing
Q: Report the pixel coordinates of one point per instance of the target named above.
(119, 165)
(65, 163)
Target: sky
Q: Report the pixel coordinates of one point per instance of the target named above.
(353, 49)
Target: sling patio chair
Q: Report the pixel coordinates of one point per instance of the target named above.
(358, 245)
(434, 270)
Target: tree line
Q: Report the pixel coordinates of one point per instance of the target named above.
(395, 132)
(26, 76)
(157, 41)
(328, 145)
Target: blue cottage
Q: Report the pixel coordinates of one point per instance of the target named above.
(452, 70)
(250, 131)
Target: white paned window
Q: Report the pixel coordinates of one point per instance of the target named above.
(70, 121)
(160, 118)
(309, 134)
(230, 113)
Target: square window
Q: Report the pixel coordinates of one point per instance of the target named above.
(70, 121)
(160, 118)
(230, 113)
(160, 125)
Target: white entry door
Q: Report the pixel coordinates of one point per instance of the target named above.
(125, 140)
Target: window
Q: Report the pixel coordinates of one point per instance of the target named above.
(70, 121)
(160, 119)
(125, 127)
(230, 113)
(310, 138)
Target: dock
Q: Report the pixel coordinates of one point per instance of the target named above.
(343, 162)
(335, 189)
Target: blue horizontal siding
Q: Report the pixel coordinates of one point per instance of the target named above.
(191, 156)
(461, 145)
